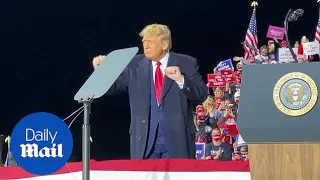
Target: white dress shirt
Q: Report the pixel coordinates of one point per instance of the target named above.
(163, 66)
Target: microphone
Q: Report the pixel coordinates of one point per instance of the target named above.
(295, 15)
(249, 46)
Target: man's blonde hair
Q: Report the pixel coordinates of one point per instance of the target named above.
(160, 30)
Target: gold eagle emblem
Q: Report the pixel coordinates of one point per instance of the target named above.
(295, 93)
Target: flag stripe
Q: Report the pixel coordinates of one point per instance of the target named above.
(317, 35)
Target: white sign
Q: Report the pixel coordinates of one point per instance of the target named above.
(310, 48)
(285, 55)
(239, 141)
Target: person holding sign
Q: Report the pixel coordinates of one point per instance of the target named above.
(306, 58)
(162, 86)
(274, 46)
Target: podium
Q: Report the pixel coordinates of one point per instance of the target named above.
(96, 86)
(279, 118)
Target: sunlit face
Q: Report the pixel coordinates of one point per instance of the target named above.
(154, 48)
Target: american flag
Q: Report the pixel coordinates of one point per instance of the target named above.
(251, 38)
(317, 36)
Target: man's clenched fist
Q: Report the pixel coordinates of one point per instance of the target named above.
(173, 72)
(97, 61)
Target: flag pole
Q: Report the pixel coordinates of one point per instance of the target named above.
(251, 33)
(254, 4)
(9, 158)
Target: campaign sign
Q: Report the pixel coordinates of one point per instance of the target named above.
(310, 48)
(41, 143)
(216, 80)
(228, 75)
(224, 65)
(200, 150)
(275, 32)
(285, 55)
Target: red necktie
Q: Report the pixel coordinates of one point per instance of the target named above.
(158, 82)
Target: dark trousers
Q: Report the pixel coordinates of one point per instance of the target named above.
(159, 150)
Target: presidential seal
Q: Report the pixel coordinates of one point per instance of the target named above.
(295, 94)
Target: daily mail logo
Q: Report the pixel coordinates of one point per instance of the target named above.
(33, 150)
(41, 143)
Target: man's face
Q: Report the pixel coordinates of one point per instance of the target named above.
(154, 48)
(216, 135)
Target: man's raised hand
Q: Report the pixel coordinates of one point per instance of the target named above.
(97, 61)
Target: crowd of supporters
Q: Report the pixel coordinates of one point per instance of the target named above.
(216, 118)
(269, 54)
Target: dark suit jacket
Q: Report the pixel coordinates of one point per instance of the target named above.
(177, 104)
